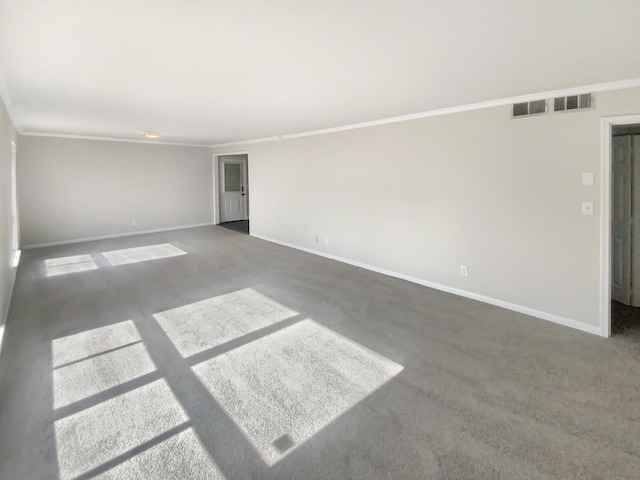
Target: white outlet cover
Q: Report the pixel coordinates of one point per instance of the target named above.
(587, 208)
(587, 178)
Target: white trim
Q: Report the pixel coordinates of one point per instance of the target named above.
(214, 190)
(216, 181)
(113, 139)
(15, 250)
(15, 217)
(5, 315)
(606, 124)
(117, 235)
(599, 87)
(247, 142)
(229, 154)
(567, 322)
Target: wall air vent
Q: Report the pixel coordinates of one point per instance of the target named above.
(526, 109)
(573, 102)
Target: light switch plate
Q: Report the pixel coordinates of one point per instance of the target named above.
(587, 208)
(587, 178)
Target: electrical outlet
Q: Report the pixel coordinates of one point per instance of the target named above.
(587, 208)
(134, 222)
(463, 270)
(326, 240)
(316, 239)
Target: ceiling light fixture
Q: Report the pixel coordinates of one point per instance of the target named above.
(153, 135)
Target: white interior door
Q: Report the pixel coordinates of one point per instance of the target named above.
(621, 226)
(233, 189)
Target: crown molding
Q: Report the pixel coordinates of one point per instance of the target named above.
(113, 139)
(599, 87)
(247, 142)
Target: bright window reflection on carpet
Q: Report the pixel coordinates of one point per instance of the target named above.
(97, 374)
(281, 389)
(202, 325)
(91, 362)
(142, 254)
(92, 437)
(179, 457)
(98, 340)
(73, 264)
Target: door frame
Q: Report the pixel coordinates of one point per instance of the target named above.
(15, 217)
(216, 183)
(606, 164)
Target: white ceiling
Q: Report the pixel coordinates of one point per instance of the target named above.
(213, 71)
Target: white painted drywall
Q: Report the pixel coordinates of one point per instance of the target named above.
(423, 197)
(72, 189)
(7, 271)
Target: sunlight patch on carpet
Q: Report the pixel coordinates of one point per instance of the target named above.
(202, 325)
(91, 342)
(142, 254)
(97, 374)
(180, 456)
(93, 361)
(92, 437)
(283, 388)
(73, 264)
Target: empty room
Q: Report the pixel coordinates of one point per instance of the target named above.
(319, 240)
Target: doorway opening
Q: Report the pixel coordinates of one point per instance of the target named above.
(622, 229)
(233, 192)
(15, 225)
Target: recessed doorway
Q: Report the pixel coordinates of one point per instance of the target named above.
(620, 238)
(625, 230)
(233, 192)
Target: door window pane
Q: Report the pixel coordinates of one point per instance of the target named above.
(232, 177)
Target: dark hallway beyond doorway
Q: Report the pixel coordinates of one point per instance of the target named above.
(625, 320)
(238, 226)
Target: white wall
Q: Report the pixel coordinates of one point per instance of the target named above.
(422, 197)
(7, 272)
(72, 189)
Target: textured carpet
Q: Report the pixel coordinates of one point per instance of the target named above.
(96, 435)
(142, 254)
(241, 359)
(212, 322)
(284, 387)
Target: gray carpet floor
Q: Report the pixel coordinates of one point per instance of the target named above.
(202, 353)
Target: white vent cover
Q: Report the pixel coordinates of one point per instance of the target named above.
(526, 109)
(573, 102)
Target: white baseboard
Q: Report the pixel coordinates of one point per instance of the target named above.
(5, 314)
(117, 235)
(7, 307)
(567, 322)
